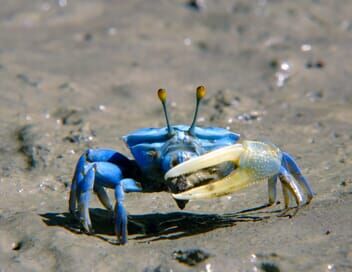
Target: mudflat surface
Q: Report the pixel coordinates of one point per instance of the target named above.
(79, 74)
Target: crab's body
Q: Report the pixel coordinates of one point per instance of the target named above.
(155, 152)
(189, 161)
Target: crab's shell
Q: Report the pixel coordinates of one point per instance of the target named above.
(143, 142)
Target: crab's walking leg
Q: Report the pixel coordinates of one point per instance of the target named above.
(272, 191)
(95, 170)
(293, 168)
(77, 178)
(120, 215)
(126, 185)
(287, 195)
(84, 190)
(103, 197)
(290, 188)
(109, 175)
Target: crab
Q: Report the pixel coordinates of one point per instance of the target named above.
(189, 161)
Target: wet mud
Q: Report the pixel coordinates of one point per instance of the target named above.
(80, 74)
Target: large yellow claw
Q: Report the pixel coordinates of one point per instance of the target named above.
(252, 162)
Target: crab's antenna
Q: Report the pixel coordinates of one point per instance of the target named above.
(162, 94)
(201, 91)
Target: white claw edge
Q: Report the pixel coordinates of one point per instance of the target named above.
(229, 153)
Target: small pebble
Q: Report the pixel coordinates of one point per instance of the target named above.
(187, 41)
(251, 116)
(335, 135)
(274, 64)
(318, 64)
(88, 37)
(16, 246)
(315, 95)
(102, 107)
(111, 31)
(331, 267)
(283, 73)
(62, 3)
(198, 5)
(306, 47)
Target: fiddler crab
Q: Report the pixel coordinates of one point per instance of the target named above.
(190, 161)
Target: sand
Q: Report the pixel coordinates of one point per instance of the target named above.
(79, 74)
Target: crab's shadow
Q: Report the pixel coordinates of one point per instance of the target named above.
(153, 226)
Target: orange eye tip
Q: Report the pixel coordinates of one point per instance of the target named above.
(162, 94)
(201, 91)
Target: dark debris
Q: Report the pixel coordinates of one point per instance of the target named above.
(69, 116)
(83, 134)
(36, 153)
(190, 257)
(221, 102)
(197, 5)
(315, 64)
(29, 81)
(269, 267)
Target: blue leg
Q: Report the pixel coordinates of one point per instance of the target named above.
(98, 169)
(77, 178)
(120, 215)
(84, 191)
(110, 175)
(293, 168)
(128, 167)
(125, 186)
(103, 197)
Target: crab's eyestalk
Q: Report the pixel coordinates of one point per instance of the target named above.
(162, 94)
(201, 91)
